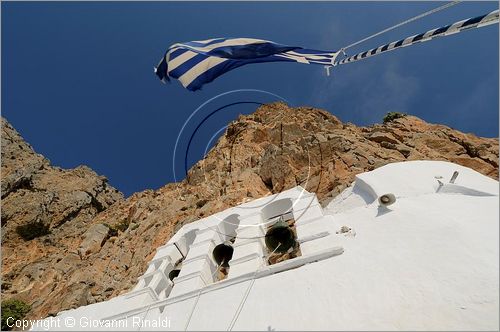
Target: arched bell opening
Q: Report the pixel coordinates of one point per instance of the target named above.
(282, 207)
(182, 246)
(281, 235)
(228, 226)
(223, 252)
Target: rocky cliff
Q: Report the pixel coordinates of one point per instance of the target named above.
(70, 239)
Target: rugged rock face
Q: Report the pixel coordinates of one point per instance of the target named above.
(99, 243)
(45, 211)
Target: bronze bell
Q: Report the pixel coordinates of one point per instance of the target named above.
(173, 274)
(223, 253)
(280, 237)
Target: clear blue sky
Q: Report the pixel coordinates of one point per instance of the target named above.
(78, 82)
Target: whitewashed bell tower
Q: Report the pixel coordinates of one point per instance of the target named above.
(402, 248)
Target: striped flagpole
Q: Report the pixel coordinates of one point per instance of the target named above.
(463, 25)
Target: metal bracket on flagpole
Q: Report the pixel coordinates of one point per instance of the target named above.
(328, 70)
(333, 63)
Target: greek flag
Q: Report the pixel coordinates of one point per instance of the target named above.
(196, 63)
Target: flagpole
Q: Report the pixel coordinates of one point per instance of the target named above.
(471, 23)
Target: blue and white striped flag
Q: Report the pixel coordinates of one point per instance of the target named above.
(196, 63)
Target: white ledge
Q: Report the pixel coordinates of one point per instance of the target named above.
(266, 271)
(146, 289)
